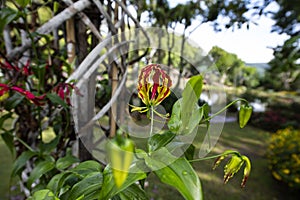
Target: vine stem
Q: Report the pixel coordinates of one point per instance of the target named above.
(225, 108)
(22, 142)
(216, 156)
(152, 120)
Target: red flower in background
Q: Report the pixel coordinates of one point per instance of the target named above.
(5, 89)
(26, 70)
(37, 100)
(64, 90)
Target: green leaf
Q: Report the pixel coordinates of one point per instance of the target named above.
(159, 140)
(23, 3)
(8, 138)
(87, 167)
(7, 15)
(21, 161)
(190, 96)
(193, 89)
(186, 113)
(57, 182)
(90, 187)
(185, 120)
(133, 192)
(65, 162)
(81, 197)
(49, 147)
(4, 117)
(194, 120)
(13, 101)
(109, 188)
(205, 108)
(39, 170)
(189, 153)
(179, 174)
(43, 194)
(175, 122)
(54, 98)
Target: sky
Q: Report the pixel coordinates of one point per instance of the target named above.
(251, 45)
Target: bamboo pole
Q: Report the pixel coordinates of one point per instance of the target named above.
(70, 40)
(114, 85)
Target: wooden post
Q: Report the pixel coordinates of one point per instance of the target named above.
(114, 85)
(70, 40)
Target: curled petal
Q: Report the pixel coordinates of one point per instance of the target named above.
(139, 109)
(247, 170)
(232, 167)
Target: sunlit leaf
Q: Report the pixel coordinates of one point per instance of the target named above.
(175, 122)
(43, 194)
(109, 188)
(179, 174)
(23, 3)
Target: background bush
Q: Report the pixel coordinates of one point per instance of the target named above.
(284, 156)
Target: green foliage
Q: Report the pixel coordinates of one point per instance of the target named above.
(119, 178)
(233, 70)
(7, 15)
(110, 189)
(186, 114)
(284, 156)
(179, 174)
(285, 68)
(43, 194)
(160, 140)
(287, 17)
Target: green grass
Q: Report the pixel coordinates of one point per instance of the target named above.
(260, 185)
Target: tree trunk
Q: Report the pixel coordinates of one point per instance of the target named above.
(87, 102)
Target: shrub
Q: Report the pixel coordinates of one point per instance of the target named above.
(284, 156)
(277, 117)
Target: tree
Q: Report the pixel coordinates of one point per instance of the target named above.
(285, 67)
(233, 70)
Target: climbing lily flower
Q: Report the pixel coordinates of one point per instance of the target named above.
(153, 87)
(234, 165)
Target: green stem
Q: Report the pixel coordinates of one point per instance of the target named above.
(152, 120)
(216, 156)
(223, 109)
(22, 142)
